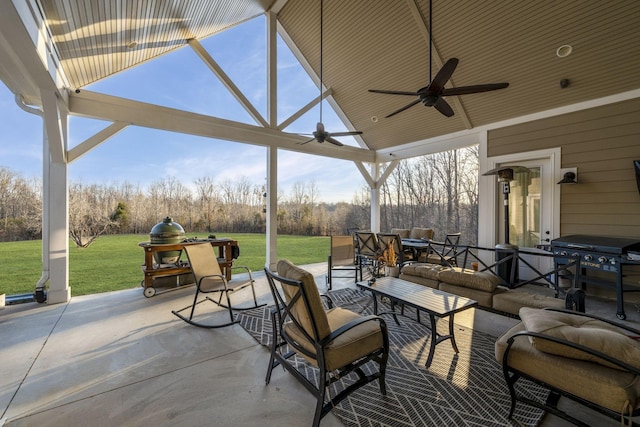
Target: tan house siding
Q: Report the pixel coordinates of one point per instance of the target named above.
(602, 143)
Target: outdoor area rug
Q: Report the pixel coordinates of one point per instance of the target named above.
(467, 389)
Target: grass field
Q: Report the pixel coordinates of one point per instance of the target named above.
(114, 262)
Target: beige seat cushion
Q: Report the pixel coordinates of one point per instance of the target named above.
(421, 233)
(402, 232)
(599, 384)
(288, 270)
(431, 283)
(513, 300)
(480, 280)
(592, 333)
(484, 299)
(348, 347)
(428, 271)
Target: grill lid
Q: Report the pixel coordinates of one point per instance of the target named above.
(610, 245)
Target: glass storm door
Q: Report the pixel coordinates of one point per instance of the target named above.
(530, 213)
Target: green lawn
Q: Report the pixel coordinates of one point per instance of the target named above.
(114, 262)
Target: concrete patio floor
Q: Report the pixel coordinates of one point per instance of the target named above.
(119, 358)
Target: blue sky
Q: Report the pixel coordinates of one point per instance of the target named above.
(181, 80)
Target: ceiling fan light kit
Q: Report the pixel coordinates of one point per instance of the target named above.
(432, 94)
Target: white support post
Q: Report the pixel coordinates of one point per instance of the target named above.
(272, 152)
(57, 209)
(375, 198)
(272, 207)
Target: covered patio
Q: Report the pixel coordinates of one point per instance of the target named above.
(113, 359)
(121, 359)
(51, 50)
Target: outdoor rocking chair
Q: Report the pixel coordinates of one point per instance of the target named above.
(210, 279)
(337, 342)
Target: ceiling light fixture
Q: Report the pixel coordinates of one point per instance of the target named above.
(564, 51)
(132, 45)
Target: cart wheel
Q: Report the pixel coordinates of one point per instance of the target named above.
(149, 292)
(621, 316)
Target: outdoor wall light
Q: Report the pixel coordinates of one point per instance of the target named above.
(569, 177)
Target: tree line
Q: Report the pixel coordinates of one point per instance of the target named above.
(437, 191)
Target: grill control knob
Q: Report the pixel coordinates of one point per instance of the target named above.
(575, 254)
(602, 259)
(613, 261)
(588, 257)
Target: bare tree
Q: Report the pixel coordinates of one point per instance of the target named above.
(89, 216)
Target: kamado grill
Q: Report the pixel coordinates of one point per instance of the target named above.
(597, 253)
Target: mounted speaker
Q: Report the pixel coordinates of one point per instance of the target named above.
(636, 164)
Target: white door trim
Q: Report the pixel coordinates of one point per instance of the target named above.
(487, 211)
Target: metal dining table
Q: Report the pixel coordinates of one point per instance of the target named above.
(417, 246)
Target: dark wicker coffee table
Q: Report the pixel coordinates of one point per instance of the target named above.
(434, 302)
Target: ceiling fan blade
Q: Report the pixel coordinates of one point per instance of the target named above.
(333, 141)
(464, 90)
(306, 142)
(443, 75)
(355, 132)
(442, 106)
(394, 92)
(417, 101)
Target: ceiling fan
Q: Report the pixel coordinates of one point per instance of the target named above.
(320, 134)
(432, 94)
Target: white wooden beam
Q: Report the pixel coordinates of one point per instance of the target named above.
(27, 63)
(365, 174)
(92, 142)
(52, 122)
(227, 82)
(387, 171)
(115, 109)
(295, 116)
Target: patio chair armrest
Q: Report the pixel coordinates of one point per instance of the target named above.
(245, 268)
(219, 276)
(621, 364)
(348, 326)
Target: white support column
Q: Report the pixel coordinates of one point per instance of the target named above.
(375, 198)
(272, 152)
(57, 209)
(272, 207)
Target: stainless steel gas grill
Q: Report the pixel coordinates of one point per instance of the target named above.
(609, 255)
